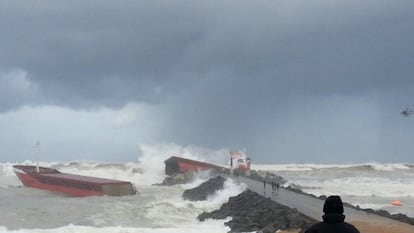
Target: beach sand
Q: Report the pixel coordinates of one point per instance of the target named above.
(365, 227)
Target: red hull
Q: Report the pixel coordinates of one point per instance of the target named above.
(177, 164)
(29, 181)
(73, 185)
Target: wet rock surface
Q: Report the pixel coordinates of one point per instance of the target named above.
(178, 178)
(252, 212)
(399, 217)
(201, 192)
(249, 211)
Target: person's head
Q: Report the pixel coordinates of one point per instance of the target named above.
(333, 205)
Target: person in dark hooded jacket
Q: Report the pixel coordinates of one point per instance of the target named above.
(333, 218)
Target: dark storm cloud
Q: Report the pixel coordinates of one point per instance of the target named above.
(231, 72)
(103, 52)
(92, 51)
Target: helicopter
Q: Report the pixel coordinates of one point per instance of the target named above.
(407, 112)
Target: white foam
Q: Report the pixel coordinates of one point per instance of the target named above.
(222, 196)
(199, 178)
(209, 226)
(7, 176)
(356, 181)
(369, 185)
(150, 162)
(297, 167)
(388, 166)
(358, 186)
(153, 156)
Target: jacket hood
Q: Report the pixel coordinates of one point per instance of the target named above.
(333, 205)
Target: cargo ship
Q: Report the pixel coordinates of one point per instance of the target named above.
(177, 164)
(238, 161)
(70, 184)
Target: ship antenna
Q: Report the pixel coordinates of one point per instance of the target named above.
(37, 155)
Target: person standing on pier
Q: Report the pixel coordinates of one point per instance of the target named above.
(333, 219)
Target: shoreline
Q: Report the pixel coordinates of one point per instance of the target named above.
(365, 227)
(369, 227)
(383, 213)
(268, 177)
(383, 223)
(367, 219)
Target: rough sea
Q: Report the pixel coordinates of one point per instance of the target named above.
(160, 209)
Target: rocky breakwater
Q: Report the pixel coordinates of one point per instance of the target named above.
(178, 178)
(249, 211)
(201, 192)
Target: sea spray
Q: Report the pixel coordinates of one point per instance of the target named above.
(153, 156)
(161, 209)
(156, 208)
(370, 185)
(210, 226)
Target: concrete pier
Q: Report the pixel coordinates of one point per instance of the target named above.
(312, 207)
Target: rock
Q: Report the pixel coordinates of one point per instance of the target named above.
(252, 212)
(178, 178)
(201, 192)
(399, 217)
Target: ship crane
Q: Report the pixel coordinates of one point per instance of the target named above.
(37, 155)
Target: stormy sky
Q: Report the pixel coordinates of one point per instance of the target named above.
(290, 81)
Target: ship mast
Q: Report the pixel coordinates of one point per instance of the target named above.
(37, 155)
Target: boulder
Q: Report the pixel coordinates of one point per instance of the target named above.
(252, 212)
(178, 178)
(201, 192)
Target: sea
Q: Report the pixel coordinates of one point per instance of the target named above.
(160, 209)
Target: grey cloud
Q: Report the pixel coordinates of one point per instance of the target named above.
(91, 52)
(228, 72)
(16, 89)
(107, 53)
